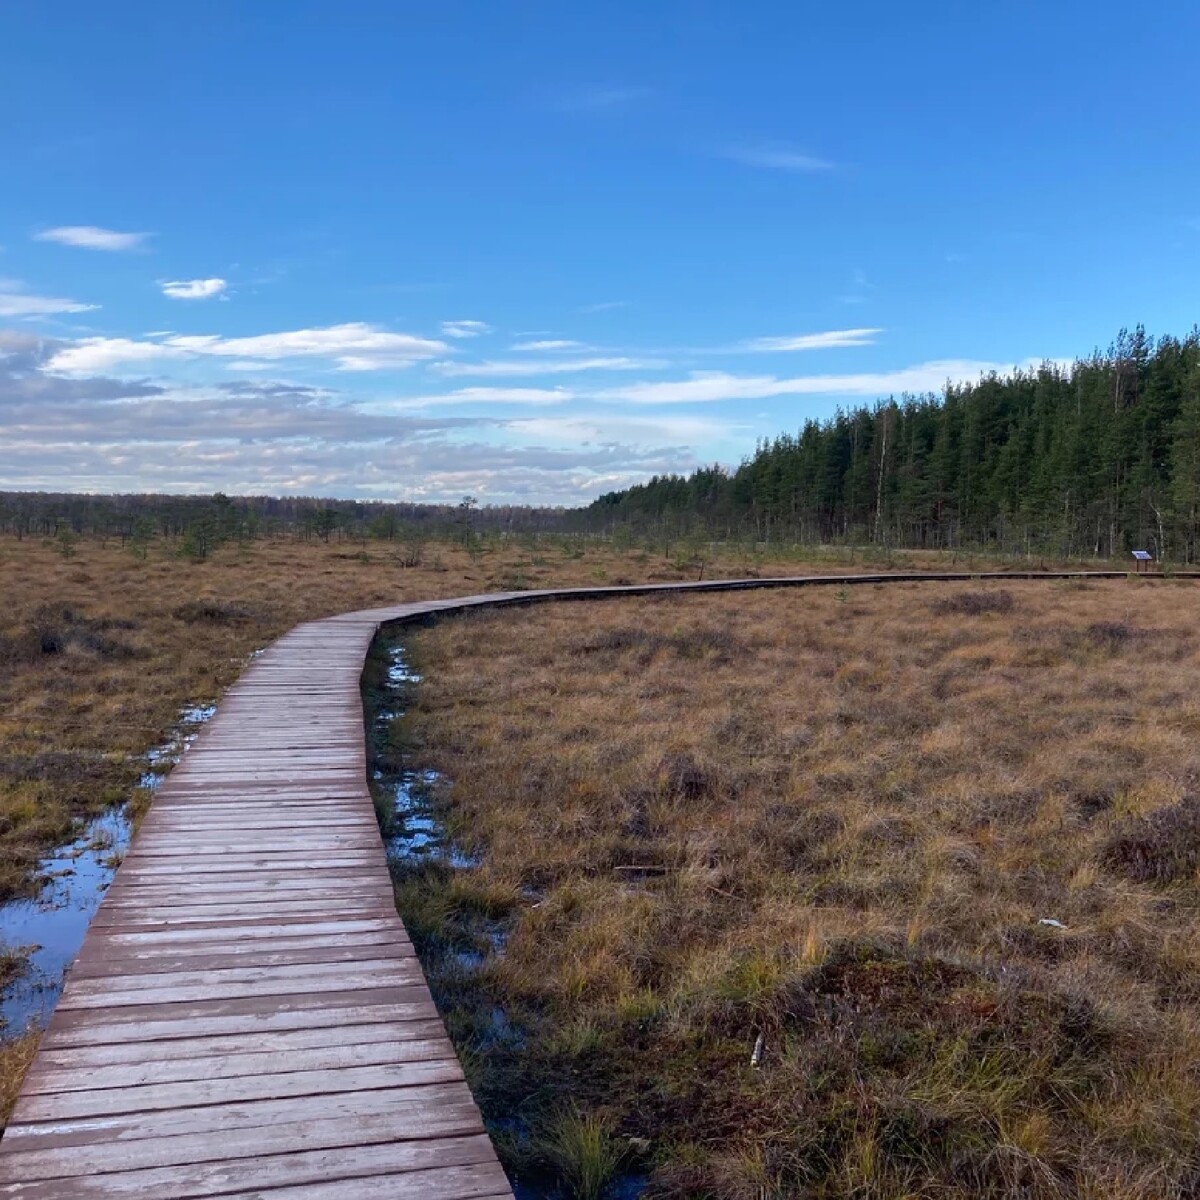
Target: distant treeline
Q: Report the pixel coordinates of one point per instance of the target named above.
(1097, 459)
(199, 523)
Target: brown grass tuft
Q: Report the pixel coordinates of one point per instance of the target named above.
(1163, 847)
(972, 604)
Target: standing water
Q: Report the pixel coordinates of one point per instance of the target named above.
(403, 796)
(48, 929)
(456, 959)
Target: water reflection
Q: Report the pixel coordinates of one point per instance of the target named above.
(48, 929)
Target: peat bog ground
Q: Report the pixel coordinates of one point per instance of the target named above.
(105, 650)
(688, 873)
(874, 891)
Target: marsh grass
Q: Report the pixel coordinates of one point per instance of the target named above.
(583, 1151)
(100, 649)
(15, 1056)
(835, 831)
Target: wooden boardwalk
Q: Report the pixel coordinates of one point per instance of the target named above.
(247, 1017)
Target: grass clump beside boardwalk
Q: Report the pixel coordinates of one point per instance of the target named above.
(881, 892)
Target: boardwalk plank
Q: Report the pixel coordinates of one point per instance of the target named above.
(146, 1098)
(347, 1163)
(225, 1063)
(283, 1042)
(122, 1131)
(415, 1115)
(135, 1026)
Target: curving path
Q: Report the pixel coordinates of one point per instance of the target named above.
(247, 1017)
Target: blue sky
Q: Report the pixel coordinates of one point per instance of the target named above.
(536, 251)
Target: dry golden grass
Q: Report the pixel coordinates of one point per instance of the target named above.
(99, 651)
(15, 1056)
(836, 821)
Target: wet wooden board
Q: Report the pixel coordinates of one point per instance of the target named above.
(247, 1017)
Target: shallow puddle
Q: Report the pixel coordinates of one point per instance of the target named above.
(412, 830)
(416, 840)
(50, 927)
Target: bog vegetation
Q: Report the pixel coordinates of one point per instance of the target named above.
(104, 639)
(875, 892)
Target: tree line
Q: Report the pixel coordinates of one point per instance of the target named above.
(196, 525)
(1094, 459)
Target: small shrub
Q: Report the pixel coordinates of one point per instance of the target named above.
(1111, 635)
(212, 612)
(682, 777)
(974, 604)
(50, 628)
(1160, 848)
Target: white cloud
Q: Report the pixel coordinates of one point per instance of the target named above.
(243, 436)
(656, 431)
(352, 347)
(193, 289)
(813, 341)
(15, 301)
(89, 355)
(478, 395)
(777, 158)
(465, 329)
(545, 366)
(715, 386)
(604, 306)
(549, 344)
(92, 237)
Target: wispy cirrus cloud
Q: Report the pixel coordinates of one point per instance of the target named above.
(517, 367)
(548, 344)
(193, 289)
(17, 301)
(707, 387)
(355, 346)
(92, 237)
(860, 288)
(605, 306)
(465, 329)
(829, 339)
(486, 396)
(774, 157)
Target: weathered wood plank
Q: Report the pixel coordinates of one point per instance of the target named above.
(348, 1163)
(283, 1042)
(255, 1130)
(87, 1027)
(153, 1097)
